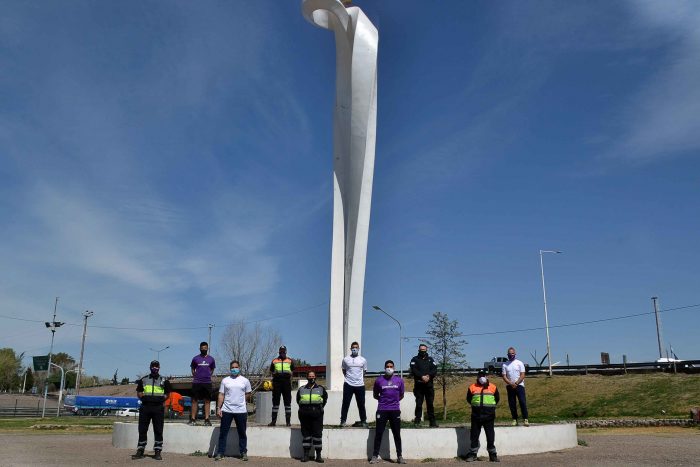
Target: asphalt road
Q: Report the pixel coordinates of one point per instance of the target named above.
(604, 448)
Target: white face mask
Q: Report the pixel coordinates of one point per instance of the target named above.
(354, 352)
(482, 380)
(389, 371)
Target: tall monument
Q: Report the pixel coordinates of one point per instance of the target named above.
(354, 136)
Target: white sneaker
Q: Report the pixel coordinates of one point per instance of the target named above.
(375, 460)
(514, 423)
(526, 423)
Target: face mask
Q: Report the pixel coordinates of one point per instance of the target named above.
(511, 357)
(203, 352)
(388, 371)
(155, 370)
(483, 380)
(354, 352)
(422, 353)
(312, 381)
(283, 354)
(235, 371)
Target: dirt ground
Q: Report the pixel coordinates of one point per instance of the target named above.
(644, 447)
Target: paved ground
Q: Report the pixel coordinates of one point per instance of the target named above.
(605, 448)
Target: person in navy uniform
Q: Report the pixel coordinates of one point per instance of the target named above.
(152, 390)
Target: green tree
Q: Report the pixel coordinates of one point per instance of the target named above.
(30, 379)
(446, 343)
(10, 366)
(63, 360)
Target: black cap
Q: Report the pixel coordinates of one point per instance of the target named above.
(482, 373)
(283, 347)
(155, 363)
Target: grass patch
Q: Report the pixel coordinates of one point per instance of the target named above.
(56, 424)
(582, 442)
(558, 398)
(429, 459)
(198, 453)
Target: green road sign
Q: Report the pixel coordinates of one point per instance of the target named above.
(41, 363)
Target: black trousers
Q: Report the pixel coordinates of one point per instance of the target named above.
(394, 419)
(427, 392)
(148, 413)
(311, 419)
(519, 393)
(281, 387)
(359, 393)
(477, 423)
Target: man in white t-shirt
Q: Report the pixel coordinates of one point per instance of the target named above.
(514, 377)
(232, 406)
(354, 368)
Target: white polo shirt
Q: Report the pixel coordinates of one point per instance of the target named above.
(513, 369)
(234, 391)
(355, 368)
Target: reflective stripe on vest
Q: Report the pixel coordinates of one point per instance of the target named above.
(153, 387)
(310, 396)
(483, 396)
(282, 366)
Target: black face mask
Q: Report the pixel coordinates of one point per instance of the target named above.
(422, 353)
(312, 381)
(203, 353)
(283, 355)
(155, 371)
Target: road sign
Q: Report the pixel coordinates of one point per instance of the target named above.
(41, 363)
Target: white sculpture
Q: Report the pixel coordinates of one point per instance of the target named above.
(354, 128)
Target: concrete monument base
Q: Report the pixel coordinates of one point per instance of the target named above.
(353, 443)
(263, 411)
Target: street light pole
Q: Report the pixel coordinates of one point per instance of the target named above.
(209, 340)
(52, 326)
(658, 332)
(159, 351)
(86, 315)
(378, 308)
(546, 317)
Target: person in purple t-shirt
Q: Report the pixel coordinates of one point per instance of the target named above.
(388, 390)
(203, 366)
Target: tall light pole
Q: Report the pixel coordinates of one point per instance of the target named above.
(378, 308)
(159, 351)
(209, 340)
(86, 315)
(546, 317)
(658, 332)
(52, 326)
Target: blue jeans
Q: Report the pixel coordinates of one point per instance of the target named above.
(226, 419)
(359, 393)
(519, 393)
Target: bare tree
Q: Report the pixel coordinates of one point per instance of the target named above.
(253, 345)
(446, 345)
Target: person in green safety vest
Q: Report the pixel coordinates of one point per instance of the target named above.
(152, 390)
(311, 399)
(282, 368)
(483, 397)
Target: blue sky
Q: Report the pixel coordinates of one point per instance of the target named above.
(168, 164)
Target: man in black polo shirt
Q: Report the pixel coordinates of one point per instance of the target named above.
(423, 369)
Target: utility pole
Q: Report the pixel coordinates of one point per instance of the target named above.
(209, 339)
(52, 326)
(658, 332)
(86, 315)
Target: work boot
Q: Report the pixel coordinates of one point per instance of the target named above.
(416, 421)
(343, 424)
(493, 457)
(471, 457)
(365, 425)
(305, 457)
(433, 424)
(139, 454)
(244, 456)
(157, 456)
(319, 459)
(274, 421)
(288, 419)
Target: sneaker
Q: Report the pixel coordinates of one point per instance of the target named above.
(138, 455)
(343, 424)
(493, 457)
(157, 456)
(416, 421)
(365, 425)
(514, 423)
(218, 457)
(244, 456)
(471, 458)
(357, 424)
(207, 422)
(434, 424)
(289, 423)
(400, 460)
(192, 423)
(375, 460)
(273, 423)
(526, 423)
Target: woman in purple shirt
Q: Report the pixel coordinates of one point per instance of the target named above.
(388, 390)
